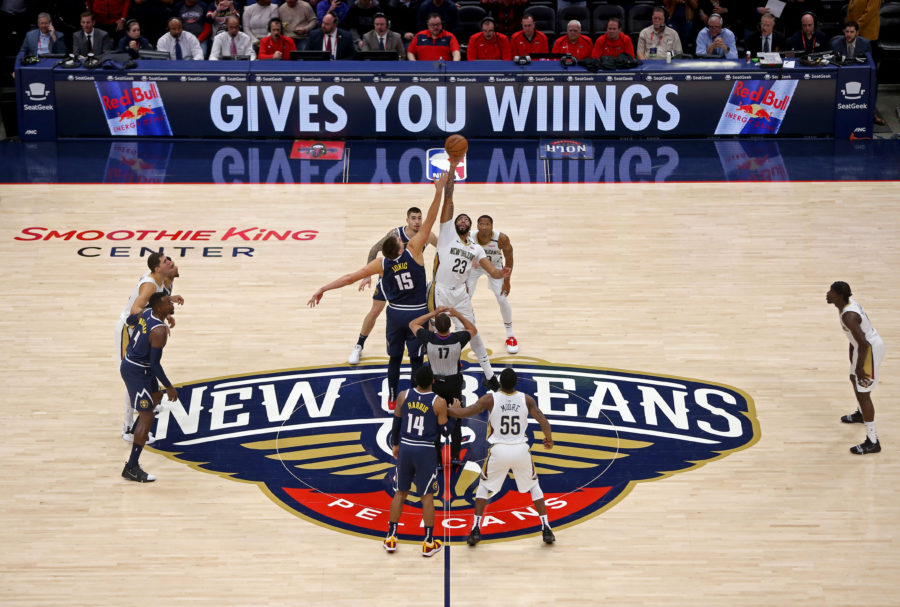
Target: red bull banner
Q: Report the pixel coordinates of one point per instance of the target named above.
(133, 108)
(756, 107)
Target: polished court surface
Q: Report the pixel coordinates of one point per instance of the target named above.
(706, 263)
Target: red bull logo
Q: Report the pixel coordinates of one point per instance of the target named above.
(131, 96)
(135, 112)
(756, 107)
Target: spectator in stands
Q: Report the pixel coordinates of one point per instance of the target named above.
(180, 45)
(434, 43)
(614, 42)
(766, 40)
(682, 16)
(809, 39)
(257, 18)
(528, 40)
(656, 40)
(219, 12)
(331, 38)
(506, 13)
(488, 44)
(446, 9)
(276, 45)
(193, 19)
(404, 17)
(45, 39)
(867, 14)
(232, 42)
(153, 15)
(110, 15)
(383, 39)
(715, 40)
(338, 8)
(299, 19)
(361, 19)
(132, 41)
(574, 42)
(90, 39)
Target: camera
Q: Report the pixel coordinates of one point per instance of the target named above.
(523, 60)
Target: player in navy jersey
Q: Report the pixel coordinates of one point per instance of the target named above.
(404, 283)
(417, 422)
(142, 372)
(412, 227)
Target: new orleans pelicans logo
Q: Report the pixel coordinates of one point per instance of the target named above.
(317, 442)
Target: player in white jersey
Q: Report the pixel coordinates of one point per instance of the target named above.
(866, 354)
(507, 425)
(159, 279)
(404, 233)
(499, 252)
(456, 257)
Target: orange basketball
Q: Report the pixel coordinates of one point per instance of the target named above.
(456, 146)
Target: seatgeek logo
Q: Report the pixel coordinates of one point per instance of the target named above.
(317, 442)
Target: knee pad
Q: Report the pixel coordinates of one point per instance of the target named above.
(536, 493)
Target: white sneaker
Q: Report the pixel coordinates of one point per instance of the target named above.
(512, 346)
(128, 437)
(355, 354)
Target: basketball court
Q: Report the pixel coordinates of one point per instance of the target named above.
(721, 282)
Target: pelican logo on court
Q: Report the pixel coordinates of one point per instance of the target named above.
(316, 441)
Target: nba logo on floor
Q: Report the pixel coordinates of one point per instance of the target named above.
(438, 162)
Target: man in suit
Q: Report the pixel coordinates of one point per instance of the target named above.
(45, 39)
(329, 37)
(90, 39)
(766, 40)
(852, 45)
(383, 39)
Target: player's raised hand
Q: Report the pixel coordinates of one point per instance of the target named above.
(315, 299)
(441, 181)
(177, 299)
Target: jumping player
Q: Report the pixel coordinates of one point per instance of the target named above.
(405, 233)
(405, 288)
(456, 257)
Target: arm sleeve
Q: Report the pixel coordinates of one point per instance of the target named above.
(156, 367)
(395, 431)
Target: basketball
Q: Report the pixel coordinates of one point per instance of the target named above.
(456, 146)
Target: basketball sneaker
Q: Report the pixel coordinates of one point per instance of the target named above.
(390, 544)
(392, 404)
(431, 548)
(512, 346)
(137, 475)
(854, 418)
(355, 355)
(866, 447)
(547, 534)
(474, 536)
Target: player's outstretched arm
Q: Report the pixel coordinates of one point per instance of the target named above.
(417, 243)
(507, 250)
(537, 414)
(447, 210)
(373, 267)
(485, 403)
(493, 270)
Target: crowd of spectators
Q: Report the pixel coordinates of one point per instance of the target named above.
(428, 29)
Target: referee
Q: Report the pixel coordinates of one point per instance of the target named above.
(443, 350)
